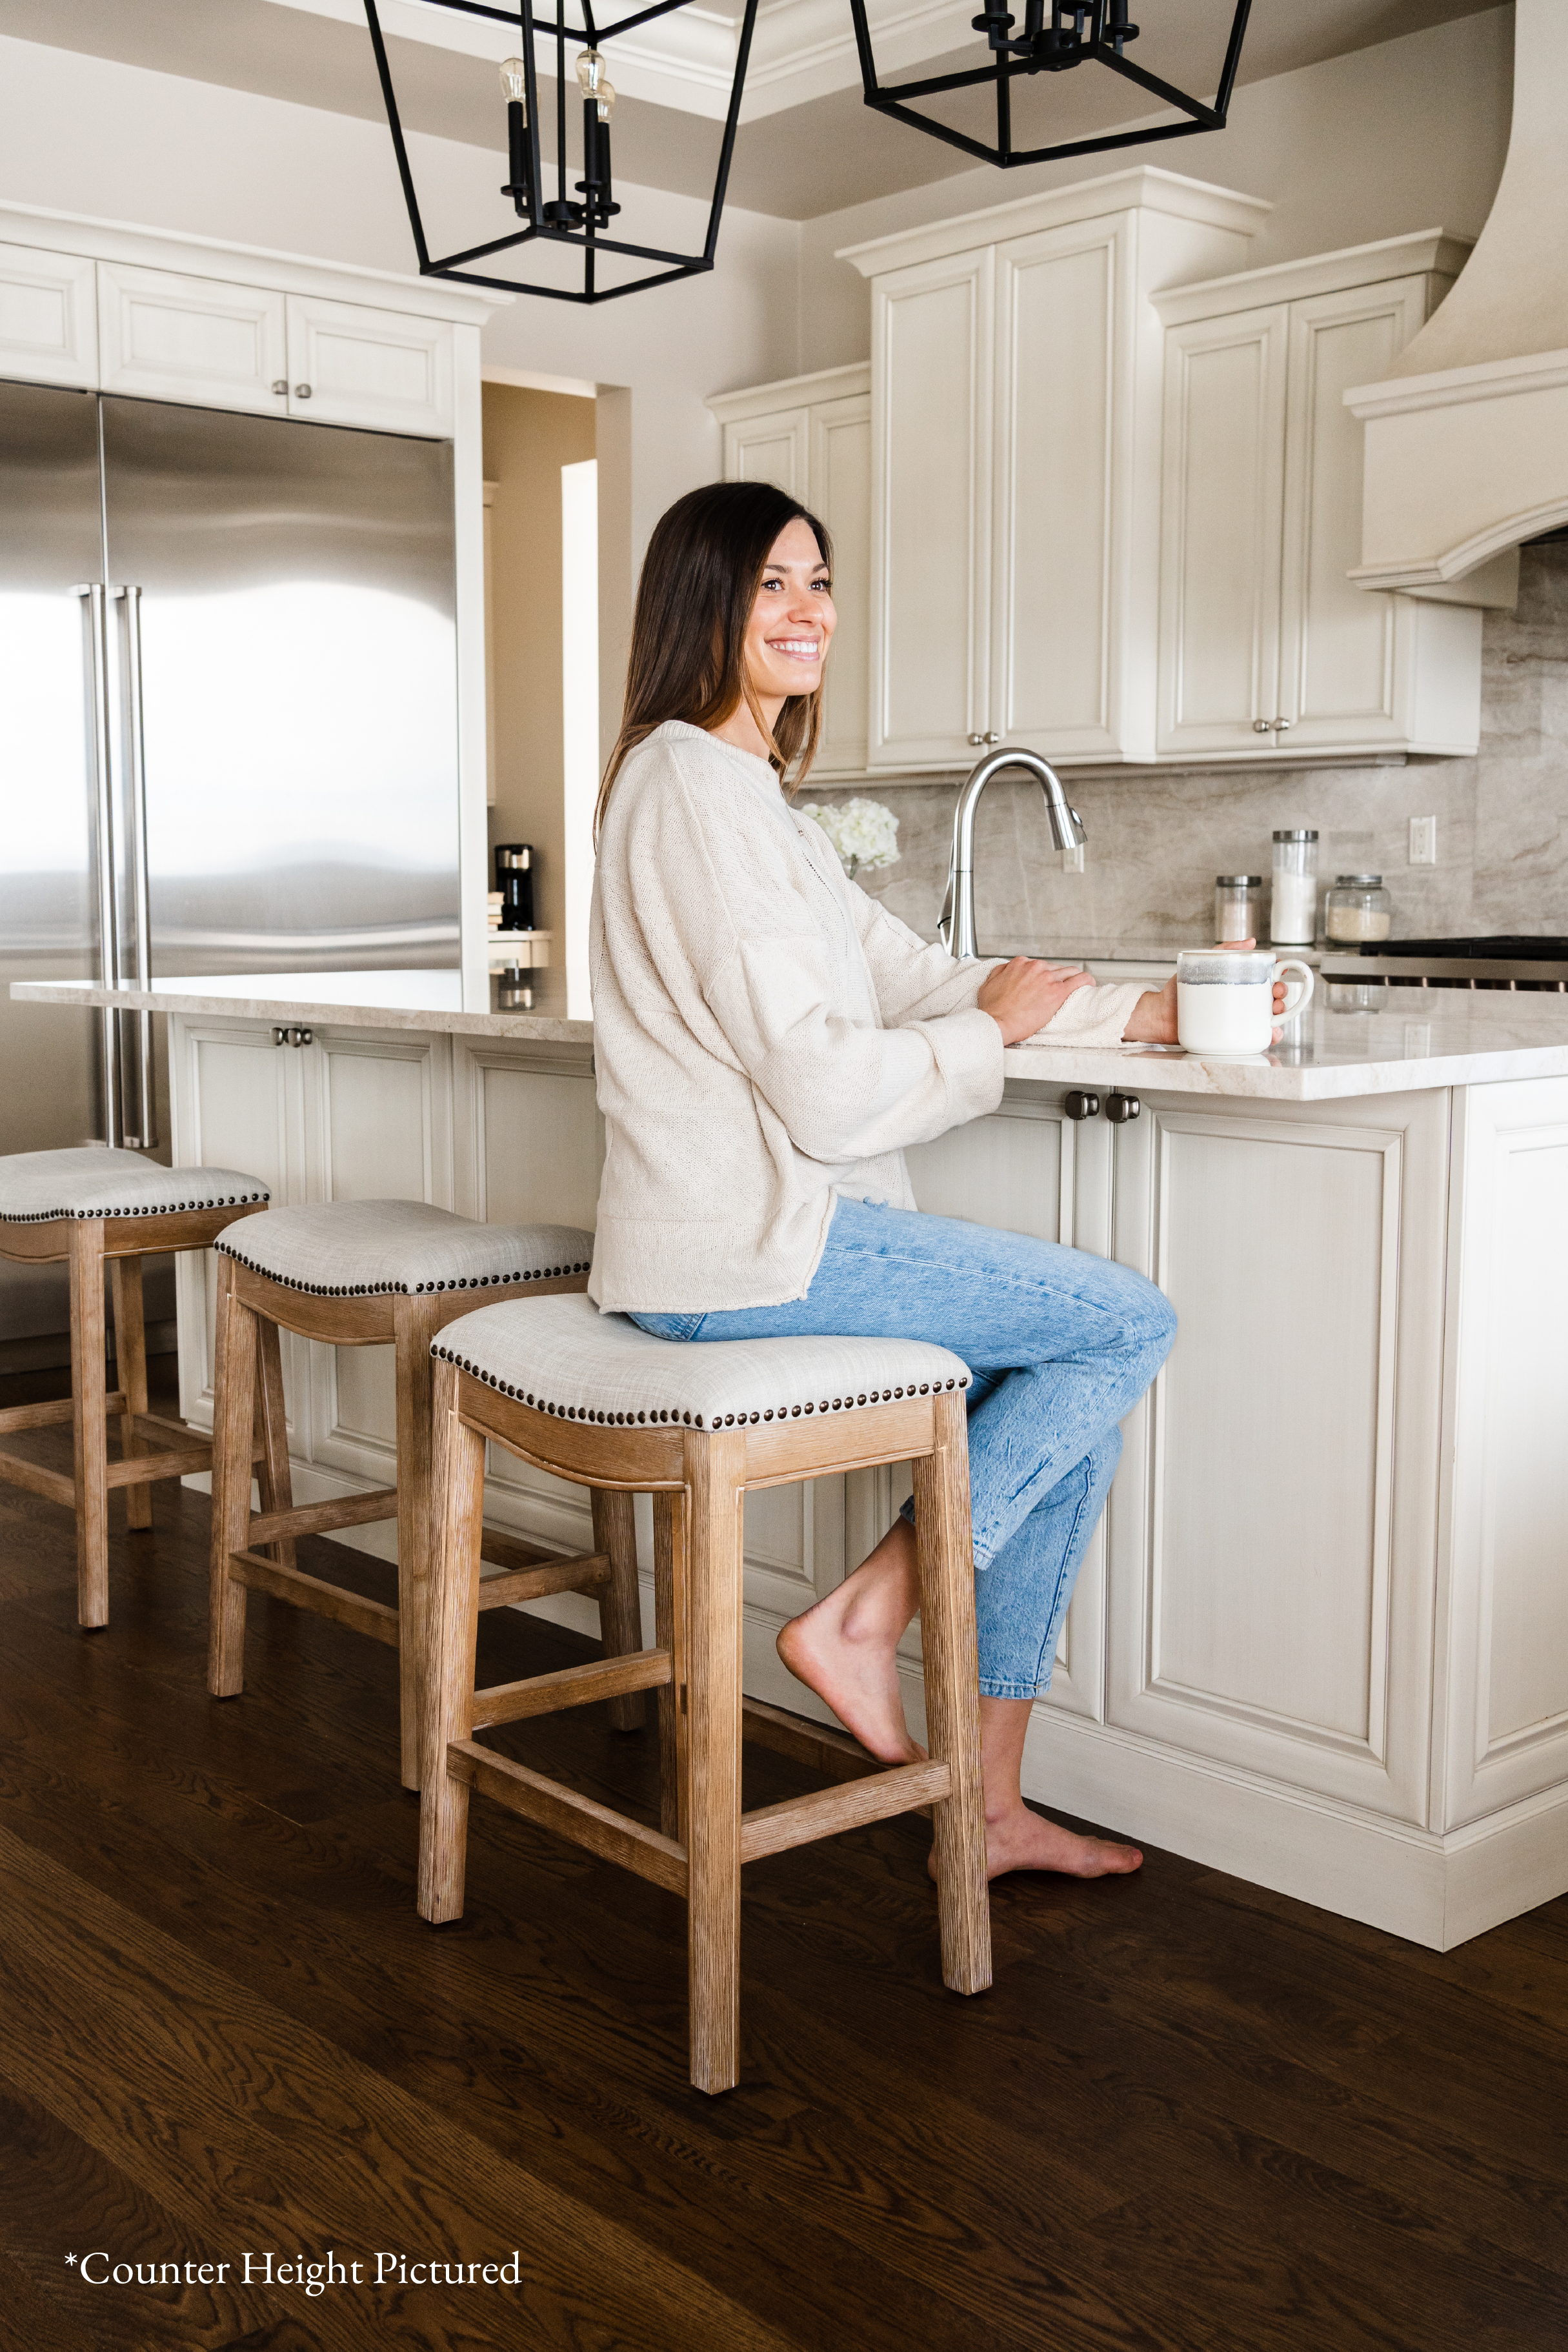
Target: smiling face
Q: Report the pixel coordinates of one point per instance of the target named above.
(792, 620)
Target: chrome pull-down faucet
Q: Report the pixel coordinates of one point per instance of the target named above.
(956, 927)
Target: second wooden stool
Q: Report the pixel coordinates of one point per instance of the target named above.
(360, 1273)
(591, 1399)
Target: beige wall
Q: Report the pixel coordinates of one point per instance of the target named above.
(529, 436)
(1405, 136)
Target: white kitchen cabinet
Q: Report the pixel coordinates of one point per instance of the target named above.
(48, 317)
(383, 370)
(812, 437)
(1267, 650)
(1015, 424)
(166, 336)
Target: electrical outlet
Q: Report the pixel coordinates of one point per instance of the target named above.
(1423, 841)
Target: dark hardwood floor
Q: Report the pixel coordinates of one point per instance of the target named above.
(1190, 2114)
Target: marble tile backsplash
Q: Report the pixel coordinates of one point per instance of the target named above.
(1158, 837)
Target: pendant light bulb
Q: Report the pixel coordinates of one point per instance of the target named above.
(594, 84)
(514, 81)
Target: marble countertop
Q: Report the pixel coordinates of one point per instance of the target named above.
(1393, 1051)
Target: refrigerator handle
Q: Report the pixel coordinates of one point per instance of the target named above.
(97, 614)
(136, 768)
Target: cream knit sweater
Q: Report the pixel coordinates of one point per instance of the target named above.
(766, 1035)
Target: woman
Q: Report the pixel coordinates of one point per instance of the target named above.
(767, 1040)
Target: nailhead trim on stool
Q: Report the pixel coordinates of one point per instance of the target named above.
(404, 1247)
(37, 1187)
(571, 1351)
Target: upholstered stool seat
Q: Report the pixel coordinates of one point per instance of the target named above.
(593, 1399)
(364, 1273)
(366, 1249)
(98, 1207)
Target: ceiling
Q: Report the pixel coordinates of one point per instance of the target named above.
(807, 144)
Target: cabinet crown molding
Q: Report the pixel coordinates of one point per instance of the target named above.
(1145, 187)
(791, 391)
(244, 264)
(1428, 252)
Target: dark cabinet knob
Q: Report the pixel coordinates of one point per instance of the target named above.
(1079, 1104)
(1120, 1109)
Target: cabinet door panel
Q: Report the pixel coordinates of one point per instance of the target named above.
(349, 364)
(1273, 1525)
(168, 337)
(841, 494)
(1509, 1616)
(48, 317)
(931, 515)
(1222, 491)
(1051, 604)
(775, 448)
(234, 1102)
(1337, 674)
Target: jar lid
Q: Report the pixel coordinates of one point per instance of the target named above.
(1239, 881)
(1361, 881)
(1224, 967)
(1295, 837)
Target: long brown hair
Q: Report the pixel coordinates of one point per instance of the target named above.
(699, 581)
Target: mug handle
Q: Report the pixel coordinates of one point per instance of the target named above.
(1294, 964)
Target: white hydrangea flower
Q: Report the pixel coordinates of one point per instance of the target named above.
(862, 832)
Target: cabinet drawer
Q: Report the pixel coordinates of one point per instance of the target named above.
(48, 326)
(349, 364)
(168, 337)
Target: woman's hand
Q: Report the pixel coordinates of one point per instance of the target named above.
(1022, 995)
(1153, 1020)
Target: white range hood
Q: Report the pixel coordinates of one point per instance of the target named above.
(1466, 440)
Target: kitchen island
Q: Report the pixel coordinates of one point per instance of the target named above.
(1322, 1638)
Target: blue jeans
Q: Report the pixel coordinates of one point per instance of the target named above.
(1062, 1345)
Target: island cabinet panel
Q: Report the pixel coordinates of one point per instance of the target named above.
(235, 1100)
(1273, 1526)
(1028, 1168)
(377, 1128)
(1507, 1614)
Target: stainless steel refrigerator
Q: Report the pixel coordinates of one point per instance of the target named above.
(228, 733)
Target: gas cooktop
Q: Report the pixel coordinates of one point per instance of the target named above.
(1507, 960)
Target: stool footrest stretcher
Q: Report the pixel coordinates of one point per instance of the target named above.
(291, 1584)
(581, 1819)
(571, 1687)
(589, 1574)
(319, 1518)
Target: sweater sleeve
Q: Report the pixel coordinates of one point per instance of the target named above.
(846, 1089)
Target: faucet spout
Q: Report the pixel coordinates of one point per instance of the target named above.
(956, 927)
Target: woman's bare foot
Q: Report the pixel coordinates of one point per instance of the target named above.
(1022, 1840)
(846, 1649)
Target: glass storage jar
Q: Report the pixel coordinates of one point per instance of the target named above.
(1358, 908)
(1293, 903)
(1237, 906)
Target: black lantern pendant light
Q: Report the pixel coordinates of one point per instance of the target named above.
(1054, 37)
(555, 208)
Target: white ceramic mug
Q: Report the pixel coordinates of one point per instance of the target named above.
(1224, 999)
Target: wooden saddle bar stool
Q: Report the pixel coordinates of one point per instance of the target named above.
(98, 1208)
(362, 1274)
(593, 1399)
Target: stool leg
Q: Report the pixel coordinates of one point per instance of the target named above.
(234, 1418)
(131, 1367)
(620, 1602)
(416, 1322)
(669, 1633)
(458, 1490)
(90, 1421)
(945, 1551)
(274, 1478)
(715, 1468)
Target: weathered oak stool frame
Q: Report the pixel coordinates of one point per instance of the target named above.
(251, 1308)
(153, 1448)
(699, 1478)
